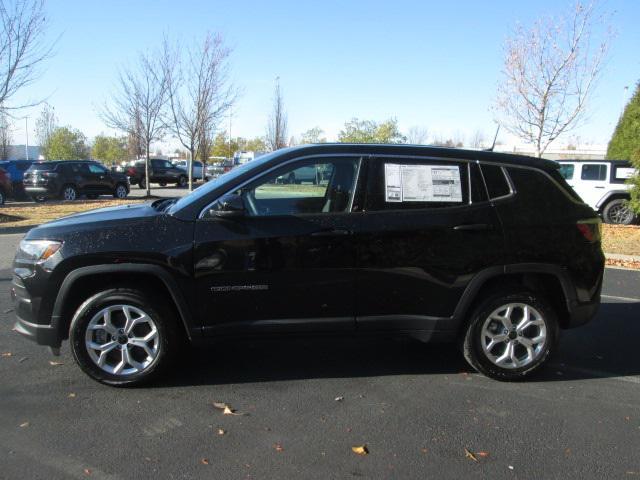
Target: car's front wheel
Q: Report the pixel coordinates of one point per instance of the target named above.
(123, 336)
(510, 335)
(120, 191)
(182, 181)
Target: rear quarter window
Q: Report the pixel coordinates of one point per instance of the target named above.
(543, 195)
(497, 183)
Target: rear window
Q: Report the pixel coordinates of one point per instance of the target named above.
(42, 166)
(594, 172)
(497, 184)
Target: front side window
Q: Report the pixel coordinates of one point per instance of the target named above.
(410, 184)
(594, 172)
(93, 168)
(306, 187)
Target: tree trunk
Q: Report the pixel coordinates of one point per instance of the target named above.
(146, 171)
(190, 163)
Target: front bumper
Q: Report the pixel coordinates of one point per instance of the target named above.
(26, 310)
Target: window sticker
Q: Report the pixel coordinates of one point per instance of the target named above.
(422, 183)
(624, 173)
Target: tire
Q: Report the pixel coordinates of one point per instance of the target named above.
(2, 197)
(120, 191)
(146, 363)
(496, 362)
(69, 193)
(182, 181)
(142, 184)
(618, 212)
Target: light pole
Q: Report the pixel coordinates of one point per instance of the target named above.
(26, 143)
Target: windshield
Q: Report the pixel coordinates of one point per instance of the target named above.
(42, 166)
(212, 185)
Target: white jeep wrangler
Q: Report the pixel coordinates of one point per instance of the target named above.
(602, 185)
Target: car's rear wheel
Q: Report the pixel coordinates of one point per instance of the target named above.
(618, 212)
(123, 336)
(69, 193)
(182, 181)
(120, 191)
(142, 183)
(510, 335)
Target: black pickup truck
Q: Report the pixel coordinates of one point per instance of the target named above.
(160, 171)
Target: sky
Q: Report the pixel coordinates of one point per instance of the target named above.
(431, 64)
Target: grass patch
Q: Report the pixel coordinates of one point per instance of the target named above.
(621, 239)
(36, 213)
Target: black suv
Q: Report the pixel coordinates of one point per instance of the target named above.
(67, 179)
(160, 171)
(438, 244)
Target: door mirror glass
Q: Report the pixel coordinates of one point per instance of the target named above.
(230, 205)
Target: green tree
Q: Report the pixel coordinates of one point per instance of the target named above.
(370, 131)
(256, 144)
(109, 150)
(313, 135)
(66, 143)
(635, 184)
(626, 137)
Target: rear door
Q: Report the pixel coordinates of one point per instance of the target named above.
(429, 229)
(592, 183)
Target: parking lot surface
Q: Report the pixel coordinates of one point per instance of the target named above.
(304, 404)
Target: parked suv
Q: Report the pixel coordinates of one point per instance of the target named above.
(67, 179)
(602, 185)
(493, 250)
(160, 171)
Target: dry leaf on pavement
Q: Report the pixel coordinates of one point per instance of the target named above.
(226, 409)
(72, 395)
(25, 424)
(278, 447)
(87, 471)
(470, 455)
(6, 354)
(339, 399)
(53, 363)
(221, 431)
(482, 454)
(204, 461)
(360, 450)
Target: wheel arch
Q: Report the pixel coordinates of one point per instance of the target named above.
(612, 195)
(550, 280)
(82, 282)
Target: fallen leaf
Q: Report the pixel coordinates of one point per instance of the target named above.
(204, 461)
(25, 424)
(339, 399)
(360, 450)
(278, 447)
(7, 354)
(510, 467)
(23, 359)
(72, 395)
(87, 471)
(424, 450)
(226, 409)
(470, 455)
(53, 363)
(627, 418)
(8, 310)
(221, 431)
(482, 454)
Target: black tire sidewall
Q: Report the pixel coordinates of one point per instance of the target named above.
(607, 208)
(101, 300)
(472, 346)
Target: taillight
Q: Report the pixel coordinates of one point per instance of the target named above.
(590, 229)
(131, 171)
(49, 174)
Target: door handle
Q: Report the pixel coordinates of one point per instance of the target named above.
(331, 232)
(473, 227)
(599, 186)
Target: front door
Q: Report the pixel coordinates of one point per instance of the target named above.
(288, 263)
(430, 228)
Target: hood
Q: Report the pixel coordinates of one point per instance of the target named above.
(120, 215)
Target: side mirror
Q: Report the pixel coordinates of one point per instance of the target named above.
(229, 206)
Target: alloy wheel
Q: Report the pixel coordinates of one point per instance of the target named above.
(514, 335)
(620, 214)
(69, 193)
(121, 192)
(122, 340)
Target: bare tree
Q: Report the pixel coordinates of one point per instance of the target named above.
(46, 123)
(6, 136)
(550, 71)
(199, 94)
(276, 137)
(478, 139)
(22, 47)
(417, 135)
(141, 96)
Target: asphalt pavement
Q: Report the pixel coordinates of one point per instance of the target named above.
(302, 405)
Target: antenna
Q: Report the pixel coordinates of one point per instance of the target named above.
(494, 140)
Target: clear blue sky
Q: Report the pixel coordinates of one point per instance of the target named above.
(428, 63)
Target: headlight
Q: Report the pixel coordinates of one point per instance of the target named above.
(38, 250)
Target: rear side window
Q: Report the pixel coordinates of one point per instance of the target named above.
(542, 194)
(497, 184)
(411, 184)
(42, 167)
(566, 170)
(594, 172)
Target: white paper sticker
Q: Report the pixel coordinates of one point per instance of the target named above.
(624, 172)
(422, 183)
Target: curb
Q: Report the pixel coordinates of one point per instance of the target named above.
(621, 257)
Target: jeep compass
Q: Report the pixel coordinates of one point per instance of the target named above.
(493, 252)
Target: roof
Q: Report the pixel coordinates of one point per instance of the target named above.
(614, 162)
(421, 150)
